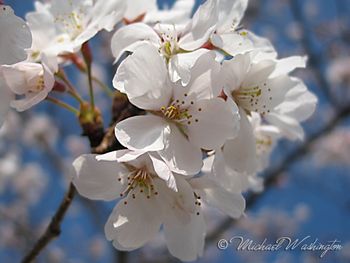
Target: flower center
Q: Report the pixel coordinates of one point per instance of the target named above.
(254, 98)
(38, 86)
(138, 180)
(169, 46)
(71, 23)
(174, 112)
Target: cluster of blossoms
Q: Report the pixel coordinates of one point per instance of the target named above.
(215, 99)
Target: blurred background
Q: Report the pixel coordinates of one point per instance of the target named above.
(307, 184)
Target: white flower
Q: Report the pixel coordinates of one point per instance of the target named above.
(229, 37)
(15, 37)
(181, 119)
(266, 137)
(31, 81)
(148, 202)
(258, 83)
(173, 42)
(64, 25)
(237, 161)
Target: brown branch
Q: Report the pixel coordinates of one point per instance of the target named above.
(54, 228)
(100, 142)
(273, 175)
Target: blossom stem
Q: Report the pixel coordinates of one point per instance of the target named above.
(85, 50)
(108, 91)
(63, 105)
(71, 90)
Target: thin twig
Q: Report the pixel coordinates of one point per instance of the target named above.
(54, 228)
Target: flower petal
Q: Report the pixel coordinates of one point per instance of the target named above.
(232, 43)
(228, 178)
(232, 204)
(132, 224)
(202, 26)
(143, 91)
(146, 133)
(163, 171)
(185, 241)
(16, 37)
(98, 180)
(240, 153)
(230, 14)
(130, 37)
(181, 64)
(212, 123)
(139, 7)
(180, 155)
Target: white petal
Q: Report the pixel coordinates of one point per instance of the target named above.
(185, 241)
(212, 123)
(205, 78)
(29, 100)
(232, 43)
(290, 127)
(232, 204)
(98, 180)
(139, 7)
(18, 75)
(147, 133)
(133, 224)
(145, 79)
(203, 25)
(163, 171)
(231, 13)
(287, 65)
(181, 64)
(130, 37)
(15, 37)
(240, 153)
(227, 177)
(299, 103)
(176, 205)
(180, 155)
(106, 14)
(234, 71)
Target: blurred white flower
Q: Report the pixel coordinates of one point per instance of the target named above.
(40, 129)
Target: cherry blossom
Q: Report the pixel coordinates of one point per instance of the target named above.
(174, 42)
(181, 120)
(258, 83)
(63, 26)
(31, 81)
(149, 201)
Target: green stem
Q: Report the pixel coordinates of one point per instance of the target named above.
(63, 105)
(91, 88)
(108, 91)
(71, 90)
